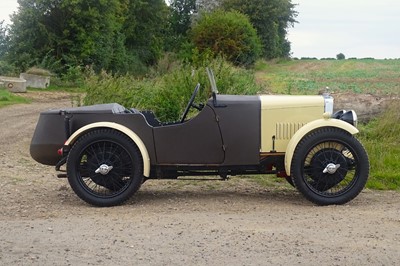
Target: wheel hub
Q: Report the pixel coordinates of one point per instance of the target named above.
(328, 167)
(331, 168)
(103, 169)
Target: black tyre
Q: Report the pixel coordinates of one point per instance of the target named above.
(290, 181)
(330, 166)
(104, 167)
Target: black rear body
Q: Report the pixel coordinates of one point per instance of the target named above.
(226, 136)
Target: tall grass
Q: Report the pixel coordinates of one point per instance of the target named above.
(167, 94)
(381, 140)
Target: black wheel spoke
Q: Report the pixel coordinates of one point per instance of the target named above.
(112, 154)
(104, 168)
(330, 166)
(326, 183)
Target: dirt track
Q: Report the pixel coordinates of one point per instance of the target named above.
(236, 222)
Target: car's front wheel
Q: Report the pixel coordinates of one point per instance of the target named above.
(104, 167)
(330, 166)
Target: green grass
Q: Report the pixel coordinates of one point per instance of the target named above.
(8, 98)
(381, 140)
(310, 76)
(385, 165)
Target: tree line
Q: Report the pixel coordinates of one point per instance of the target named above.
(127, 36)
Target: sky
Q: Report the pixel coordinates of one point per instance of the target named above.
(7, 7)
(356, 28)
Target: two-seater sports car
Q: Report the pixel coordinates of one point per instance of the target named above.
(109, 150)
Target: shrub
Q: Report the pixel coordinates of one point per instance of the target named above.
(229, 34)
(167, 95)
(73, 76)
(6, 69)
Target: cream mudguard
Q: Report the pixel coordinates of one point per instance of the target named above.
(307, 129)
(135, 138)
(286, 119)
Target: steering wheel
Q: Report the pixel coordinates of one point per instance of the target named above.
(190, 103)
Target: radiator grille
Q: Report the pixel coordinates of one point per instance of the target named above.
(285, 131)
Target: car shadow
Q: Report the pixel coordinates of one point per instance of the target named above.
(197, 196)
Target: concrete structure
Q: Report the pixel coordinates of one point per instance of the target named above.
(13, 84)
(36, 81)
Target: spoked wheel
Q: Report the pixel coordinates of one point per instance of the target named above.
(330, 166)
(104, 168)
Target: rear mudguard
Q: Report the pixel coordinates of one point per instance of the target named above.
(132, 135)
(306, 129)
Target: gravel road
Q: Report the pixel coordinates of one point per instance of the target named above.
(235, 222)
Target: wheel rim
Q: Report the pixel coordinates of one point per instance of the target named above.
(105, 169)
(330, 168)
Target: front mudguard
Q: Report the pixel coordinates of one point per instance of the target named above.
(306, 129)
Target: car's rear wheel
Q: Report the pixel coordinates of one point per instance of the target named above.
(104, 167)
(290, 181)
(330, 166)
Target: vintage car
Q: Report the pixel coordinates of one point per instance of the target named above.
(109, 150)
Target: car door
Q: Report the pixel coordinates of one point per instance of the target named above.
(197, 141)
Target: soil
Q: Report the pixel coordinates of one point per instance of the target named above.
(367, 106)
(237, 222)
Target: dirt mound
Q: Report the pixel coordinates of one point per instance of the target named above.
(367, 106)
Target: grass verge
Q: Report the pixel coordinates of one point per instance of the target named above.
(8, 98)
(381, 140)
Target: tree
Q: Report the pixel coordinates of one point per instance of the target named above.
(112, 35)
(208, 5)
(340, 56)
(229, 34)
(84, 32)
(271, 19)
(181, 15)
(3, 40)
(145, 28)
